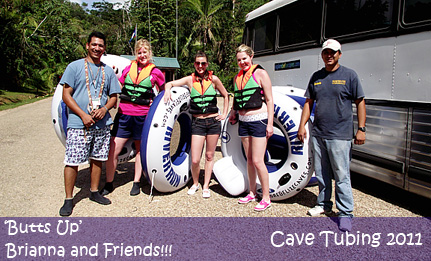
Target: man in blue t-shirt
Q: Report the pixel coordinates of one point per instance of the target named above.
(333, 90)
(90, 89)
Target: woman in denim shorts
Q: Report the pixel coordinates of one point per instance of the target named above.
(206, 126)
(138, 80)
(254, 105)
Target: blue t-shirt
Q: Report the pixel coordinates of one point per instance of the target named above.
(333, 94)
(74, 76)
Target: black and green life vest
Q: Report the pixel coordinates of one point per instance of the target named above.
(138, 88)
(247, 92)
(203, 96)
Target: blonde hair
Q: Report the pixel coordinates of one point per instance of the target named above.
(143, 43)
(246, 49)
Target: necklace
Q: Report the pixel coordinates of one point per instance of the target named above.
(94, 79)
(94, 104)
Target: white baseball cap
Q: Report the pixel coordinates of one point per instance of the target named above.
(331, 44)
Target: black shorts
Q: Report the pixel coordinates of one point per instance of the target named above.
(253, 128)
(207, 126)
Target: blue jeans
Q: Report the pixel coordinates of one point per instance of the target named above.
(332, 159)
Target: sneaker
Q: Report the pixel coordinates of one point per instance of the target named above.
(262, 205)
(136, 189)
(66, 209)
(345, 223)
(193, 189)
(108, 188)
(96, 197)
(247, 199)
(318, 210)
(206, 193)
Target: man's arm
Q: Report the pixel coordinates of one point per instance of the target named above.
(305, 116)
(360, 108)
(72, 105)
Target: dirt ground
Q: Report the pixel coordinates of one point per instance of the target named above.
(31, 183)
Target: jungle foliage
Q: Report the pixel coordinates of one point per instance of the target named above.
(40, 37)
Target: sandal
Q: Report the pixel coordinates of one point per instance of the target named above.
(193, 189)
(206, 193)
(262, 205)
(247, 199)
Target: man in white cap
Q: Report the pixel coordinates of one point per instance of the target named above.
(333, 89)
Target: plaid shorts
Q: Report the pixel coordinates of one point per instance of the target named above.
(85, 144)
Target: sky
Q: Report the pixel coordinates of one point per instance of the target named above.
(90, 2)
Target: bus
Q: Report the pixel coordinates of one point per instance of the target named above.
(388, 43)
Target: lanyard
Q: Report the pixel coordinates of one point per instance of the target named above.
(87, 80)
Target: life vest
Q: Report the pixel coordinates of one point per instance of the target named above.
(247, 92)
(138, 88)
(203, 96)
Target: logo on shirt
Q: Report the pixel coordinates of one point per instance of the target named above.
(339, 82)
(317, 83)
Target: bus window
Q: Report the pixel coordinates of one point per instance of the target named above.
(264, 34)
(351, 17)
(416, 11)
(248, 35)
(300, 23)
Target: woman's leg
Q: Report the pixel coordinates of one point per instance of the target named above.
(251, 171)
(138, 166)
(117, 145)
(211, 144)
(196, 152)
(258, 148)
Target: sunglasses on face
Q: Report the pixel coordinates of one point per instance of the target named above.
(201, 63)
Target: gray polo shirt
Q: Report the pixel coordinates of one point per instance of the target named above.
(333, 94)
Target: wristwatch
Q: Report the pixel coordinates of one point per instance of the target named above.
(363, 129)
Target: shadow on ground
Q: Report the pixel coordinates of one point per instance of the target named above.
(394, 195)
(124, 174)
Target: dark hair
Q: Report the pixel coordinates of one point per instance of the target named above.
(206, 74)
(201, 54)
(97, 35)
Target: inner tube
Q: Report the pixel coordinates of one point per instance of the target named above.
(165, 170)
(298, 95)
(289, 161)
(117, 63)
(59, 115)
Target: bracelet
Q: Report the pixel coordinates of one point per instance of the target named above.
(106, 108)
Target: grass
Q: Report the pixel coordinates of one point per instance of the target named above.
(9, 100)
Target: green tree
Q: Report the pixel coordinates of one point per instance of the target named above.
(114, 23)
(36, 51)
(156, 23)
(202, 30)
(39, 38)
(231, 33)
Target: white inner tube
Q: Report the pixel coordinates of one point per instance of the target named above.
(289, 170)
(167, 172)
(59, 114)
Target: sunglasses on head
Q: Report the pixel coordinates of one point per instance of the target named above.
(201, 63)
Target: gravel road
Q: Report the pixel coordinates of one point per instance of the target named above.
(31, 183)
